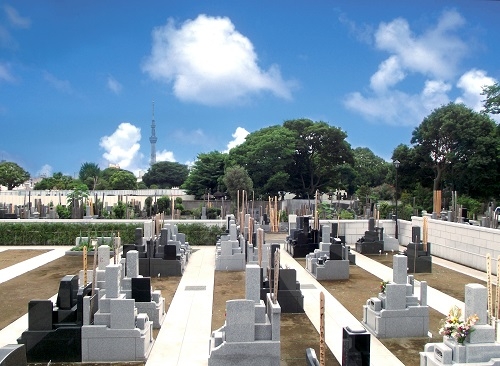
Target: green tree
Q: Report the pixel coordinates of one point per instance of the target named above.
(163, 204)
(123, 179)
(119, 210)
(320, 150)
(383, 192)
(105, 177)
(57, 181)
(12, 175)
(237, 179)
(472, 205)
(267, 156)
(413, 168)
(89, 174)
(455, 140)
(370, 169)
(63, 212)
(206, 173)
(79, 195)
(166, 174)
(492, 101)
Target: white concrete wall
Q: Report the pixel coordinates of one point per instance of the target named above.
(355, 229)
(461, 243)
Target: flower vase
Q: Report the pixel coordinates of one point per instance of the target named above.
(459, 350)
(382, 296)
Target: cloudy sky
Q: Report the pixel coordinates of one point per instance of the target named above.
(78, 79)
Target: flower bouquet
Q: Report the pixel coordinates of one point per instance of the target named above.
(383, 284)
(454, 325)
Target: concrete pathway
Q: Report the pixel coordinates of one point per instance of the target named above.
(32, 263)
(185, 333)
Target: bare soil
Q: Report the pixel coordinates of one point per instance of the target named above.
(297, 332)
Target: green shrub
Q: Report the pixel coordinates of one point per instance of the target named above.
(200, 234)
(59, 233)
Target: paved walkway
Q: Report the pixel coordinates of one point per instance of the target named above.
(32, 263)
(185, 333)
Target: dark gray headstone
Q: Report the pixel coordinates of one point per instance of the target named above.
(138, 236)
(40, 315)
(415, 234)
(68, 292)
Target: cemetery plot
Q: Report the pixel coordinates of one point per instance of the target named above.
(12, 256)
(362, 284)
(438, 279)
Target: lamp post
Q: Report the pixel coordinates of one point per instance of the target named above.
(396, 165)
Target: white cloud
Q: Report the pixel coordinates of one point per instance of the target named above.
(239, 137)
(388, 74)
(15, 19)
(165, 155)
(211, 63)
(434, 56)
(122, 147)
(63, 86)
(435, 94)
(400, 108)
(45, 171)
(5, 73)
(435, 53)
(471, 83)
(114, 85)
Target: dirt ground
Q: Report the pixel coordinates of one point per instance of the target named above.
(297, 332)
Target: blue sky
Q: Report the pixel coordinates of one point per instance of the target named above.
(78, 78)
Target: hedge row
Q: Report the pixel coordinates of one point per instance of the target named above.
(65, 233)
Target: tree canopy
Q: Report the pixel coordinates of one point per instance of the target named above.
(461, 146)
(492, 101)
(166, 174)
(12, 175)
(206, 174)
(89, 174)
(123, 179)
(267, 156)
(320, 150)
(371, 170)
(237, 179)
(57, 181)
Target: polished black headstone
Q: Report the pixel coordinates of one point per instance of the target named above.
(336, 251)
(141, 289)
(63, 344)
(170, 252)
(355, 347)
(335, 229)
